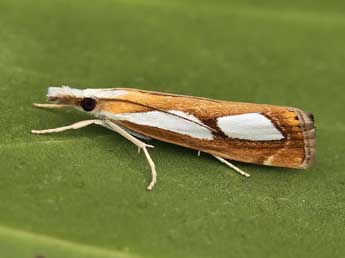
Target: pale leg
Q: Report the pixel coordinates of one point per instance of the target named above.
(141, 145)
(232, 166)
(114, 127)
(74, 126)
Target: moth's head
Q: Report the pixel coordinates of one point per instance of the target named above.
(88, 99)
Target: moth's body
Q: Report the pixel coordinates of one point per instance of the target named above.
(253, 133)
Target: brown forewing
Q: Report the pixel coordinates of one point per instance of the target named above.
(296, 150)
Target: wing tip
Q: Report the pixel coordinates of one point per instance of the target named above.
(309, 134)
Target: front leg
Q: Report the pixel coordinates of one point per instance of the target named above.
(114, 127)
(74, 126)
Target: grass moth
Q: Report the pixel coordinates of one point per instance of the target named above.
(253, 133)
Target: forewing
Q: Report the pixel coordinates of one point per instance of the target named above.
(254, 133)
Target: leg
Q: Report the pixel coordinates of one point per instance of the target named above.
(110, 125)
(135, 134)
(141, 145)
(231, 166)
(77, 125)
(153, 170)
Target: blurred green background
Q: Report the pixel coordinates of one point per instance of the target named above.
(82, 193)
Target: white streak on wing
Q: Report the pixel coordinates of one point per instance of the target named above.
(86, 93)
(165, 121)
(251, 126)
(186, 115)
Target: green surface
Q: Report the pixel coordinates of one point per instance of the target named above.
(82, 193)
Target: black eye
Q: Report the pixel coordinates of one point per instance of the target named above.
(88, 104)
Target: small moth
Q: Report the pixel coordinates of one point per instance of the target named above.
(253, 133)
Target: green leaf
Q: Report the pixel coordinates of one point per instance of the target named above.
(82, 193)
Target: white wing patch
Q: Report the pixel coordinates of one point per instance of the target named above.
(251, 126)
(86, 93)
(166, 121)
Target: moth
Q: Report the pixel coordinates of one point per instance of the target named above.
(253, 133)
